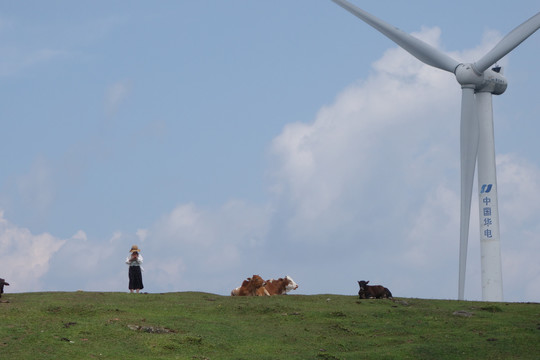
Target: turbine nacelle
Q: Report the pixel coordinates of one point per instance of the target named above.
(490, 81)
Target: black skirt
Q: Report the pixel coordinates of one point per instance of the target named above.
(135, 278)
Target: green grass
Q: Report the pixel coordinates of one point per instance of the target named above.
(91, 325)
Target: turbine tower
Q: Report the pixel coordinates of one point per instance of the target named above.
(479, 81)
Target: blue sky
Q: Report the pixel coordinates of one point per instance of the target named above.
(235, 138)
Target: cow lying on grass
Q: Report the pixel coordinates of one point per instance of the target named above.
(280, 286)
(2, 283)
(373, 292)
(253, 286)
(256, 286)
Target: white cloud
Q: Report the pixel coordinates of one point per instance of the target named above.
(142, 234)
(438, 218)
(519, 200)
(363, 140)
(117, 235)
(89, 264)
(80, 235)
(25, 257)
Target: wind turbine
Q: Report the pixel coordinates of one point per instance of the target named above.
(479, 81)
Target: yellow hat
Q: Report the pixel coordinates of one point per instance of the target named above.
(135, 248)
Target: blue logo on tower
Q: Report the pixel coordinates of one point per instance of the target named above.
(486, 188)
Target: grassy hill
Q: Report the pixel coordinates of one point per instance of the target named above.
(189, 325)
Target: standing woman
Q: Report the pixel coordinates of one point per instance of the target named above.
(134, 260)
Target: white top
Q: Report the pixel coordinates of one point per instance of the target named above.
(137, 262)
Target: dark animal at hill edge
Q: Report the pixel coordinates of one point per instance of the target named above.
(2, 283)
(253, 286)
(373, 292)
(280, 286)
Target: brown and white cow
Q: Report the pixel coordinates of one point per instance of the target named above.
(2, 283)
(253, 286)
(280, 286)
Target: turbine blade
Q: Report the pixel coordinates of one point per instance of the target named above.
(469, 150)
(416, 47)
(508, 43)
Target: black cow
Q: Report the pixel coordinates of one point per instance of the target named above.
(373, 292)
(2, 283)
